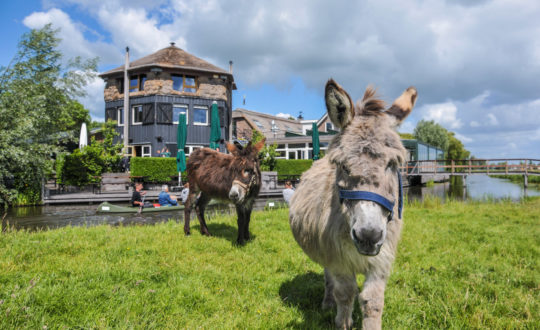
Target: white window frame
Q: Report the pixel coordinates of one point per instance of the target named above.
(192, 148)
(119, 116)
(185, 106)
(133, 115)
(207, 115)
(329, 126)
(149, 154)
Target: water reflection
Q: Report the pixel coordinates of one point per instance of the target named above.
(50, 217)
(45, 217)
(478, 187)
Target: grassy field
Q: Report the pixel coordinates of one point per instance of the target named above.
(460, 265)
(532, 179)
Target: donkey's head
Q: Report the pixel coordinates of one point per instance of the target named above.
(246, 174)
(367, 154)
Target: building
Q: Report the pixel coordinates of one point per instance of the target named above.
(418, 151)
(161, 86)
(292, 136)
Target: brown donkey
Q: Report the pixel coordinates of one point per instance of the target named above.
(235, 177)
(346, 212)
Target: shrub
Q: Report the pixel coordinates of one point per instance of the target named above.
(290, 167)
(82, 167)
(154, 169)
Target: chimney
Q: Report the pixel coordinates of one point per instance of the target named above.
(230, 67)
(172, 44)
(126, 102)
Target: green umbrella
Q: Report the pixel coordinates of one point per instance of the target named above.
(215, 131)
(315, 141)
(181, 144)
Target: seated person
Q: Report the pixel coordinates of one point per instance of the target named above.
(165, 199)
(136, 198)
(185, 193)
(288, 192)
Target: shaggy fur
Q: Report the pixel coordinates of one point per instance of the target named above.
(364, 156)
(215, 175)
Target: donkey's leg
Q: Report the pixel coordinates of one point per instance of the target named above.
(372, 302)
(241, 221)
(328, 301)
(345, 291)
(190, 201)
(247, 219)
(201, 204)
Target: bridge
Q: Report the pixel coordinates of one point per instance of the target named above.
(440, 170)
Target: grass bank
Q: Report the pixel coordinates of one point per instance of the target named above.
(460, 265)
(518, 178)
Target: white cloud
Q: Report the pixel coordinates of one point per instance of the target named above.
(492, 120)
(474, 123)
(463, 138)
(94, 100)
(73, 42)
(443, 113)
(284, 115)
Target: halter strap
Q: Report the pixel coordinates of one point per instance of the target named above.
(374, 197)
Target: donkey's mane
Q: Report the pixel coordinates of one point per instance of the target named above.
(371, 105)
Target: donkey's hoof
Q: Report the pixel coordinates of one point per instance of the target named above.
(205, 233)
(187, 233)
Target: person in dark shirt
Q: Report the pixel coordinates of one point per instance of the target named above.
(136, 198)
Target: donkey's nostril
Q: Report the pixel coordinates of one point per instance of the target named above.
(371, 236)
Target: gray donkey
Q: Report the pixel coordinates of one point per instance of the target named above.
(346, 212)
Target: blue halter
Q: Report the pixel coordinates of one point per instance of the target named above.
(370, 196)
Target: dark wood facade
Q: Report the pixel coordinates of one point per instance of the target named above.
(153, 101)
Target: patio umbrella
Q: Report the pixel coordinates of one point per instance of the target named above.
(215, 131)
(181, 138)
(83, 139)
(315, 141)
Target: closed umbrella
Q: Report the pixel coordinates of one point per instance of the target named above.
(181, 138)
(83, 139)
(215, 130)
(315, 141)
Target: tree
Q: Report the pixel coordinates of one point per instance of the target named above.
(456, 149)
(268, 153)
(38, 110)
(431, 133)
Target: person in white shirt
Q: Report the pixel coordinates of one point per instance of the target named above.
(288, 192)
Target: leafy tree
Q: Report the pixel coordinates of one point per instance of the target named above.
(268, 153)
(431, 133)
(456, 149)
(406, 136)
(38, 110)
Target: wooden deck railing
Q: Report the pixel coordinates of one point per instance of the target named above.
(473, 166)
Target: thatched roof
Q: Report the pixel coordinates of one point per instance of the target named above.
(171, 57)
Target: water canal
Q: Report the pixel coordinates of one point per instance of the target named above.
(43, 217)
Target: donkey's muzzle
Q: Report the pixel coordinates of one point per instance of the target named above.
(237, 192)
(368, 241)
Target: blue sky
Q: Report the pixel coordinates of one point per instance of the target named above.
(475, 63)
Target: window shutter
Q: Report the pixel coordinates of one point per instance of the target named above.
(110, 113)
(148, 113)
(222, 116)
(164, 113)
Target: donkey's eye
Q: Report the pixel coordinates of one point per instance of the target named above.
(246, 173)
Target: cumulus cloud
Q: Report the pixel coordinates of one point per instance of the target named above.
(443, 113)
(284, 115)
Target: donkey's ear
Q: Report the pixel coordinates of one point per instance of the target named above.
(259, 145)
(232, 148)
(403, 105)
(339, 104)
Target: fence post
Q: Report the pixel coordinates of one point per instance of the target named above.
(525, 181)
(469, 166)
(452, 171)
(506, 167)
(487, 166)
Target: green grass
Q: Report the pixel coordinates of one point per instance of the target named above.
(535, 179)
(460, 265)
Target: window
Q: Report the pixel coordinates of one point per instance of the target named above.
(200, 116)
(177, 110)
(258, 123)
(183, 83)
(120, 85)
(136, 83)
(146, 151)
(120, 117)
(189, 149)
(329, 127)
(137, 113)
